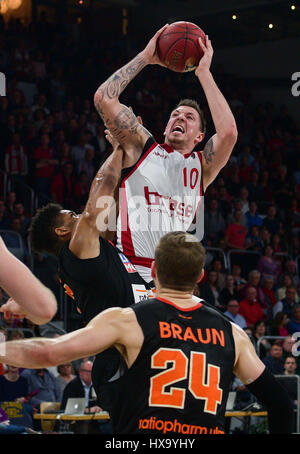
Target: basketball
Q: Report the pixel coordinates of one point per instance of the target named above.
(178, 46)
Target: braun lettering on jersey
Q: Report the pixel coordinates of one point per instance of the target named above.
(175, 331)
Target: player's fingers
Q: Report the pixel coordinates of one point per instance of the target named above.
(160, 30)
(139, 119)
(202, 45)
(208, 44)
(7, 315)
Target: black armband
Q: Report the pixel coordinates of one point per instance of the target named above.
(276, 400)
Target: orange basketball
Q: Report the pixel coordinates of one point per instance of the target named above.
(178, 47)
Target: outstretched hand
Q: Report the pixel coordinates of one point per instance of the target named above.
(150, 51)
(205, 61)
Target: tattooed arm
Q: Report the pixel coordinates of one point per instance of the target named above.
(117, 117)
(219, 148)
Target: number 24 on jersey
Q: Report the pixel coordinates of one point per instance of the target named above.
(210, 392)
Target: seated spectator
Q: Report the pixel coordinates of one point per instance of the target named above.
(78, 150)
(254, 281)
(237, 206)
(282, 187)
(293, 325)
(45, 165)
(245, 170)
(287, 304)
(290, 268)
(253, 239)
(243, 396)
(62, 186)
(269, 292)
(100, 144)
(231, 312)
(16, 163)
(6, 428)
(214, 223)
(236, 233)
(290, 367)
(285, 281)
(252, 217)
(277, 244)
(267, 264)
(291, 384)
(270, 221)
(11, 199)
(14, 241)
(13, 387)
(65, 375)
(279, 325)
(229, 292)
(288, 346)
(24, 219)
(81, 189)
(225, 201)
(260, 330)
(64, 154)
(239, 281)
(274, 361)
(243, 197)
(208, 289)
(43, 384)
(87, 164)
(82, 387)
(250, 309)
(265, 236)
(255, 189)
(217, 265)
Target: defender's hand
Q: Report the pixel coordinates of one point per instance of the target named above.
(12, 307)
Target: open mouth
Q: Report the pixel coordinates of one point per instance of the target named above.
(179, 129)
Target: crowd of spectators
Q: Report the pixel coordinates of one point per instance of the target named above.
(52, 140)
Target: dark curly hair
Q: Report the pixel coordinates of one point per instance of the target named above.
(42, 230)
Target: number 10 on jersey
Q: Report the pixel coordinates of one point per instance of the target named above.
(190, 178)
(210, 391)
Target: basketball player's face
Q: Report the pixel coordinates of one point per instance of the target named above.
(184, 127)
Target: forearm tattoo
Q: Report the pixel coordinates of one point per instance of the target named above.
(112, 88)
(117, 83)
(208, 151)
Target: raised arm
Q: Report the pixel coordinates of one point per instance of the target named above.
(219, 147)
(118, 118)
(30, 296)
(114, 326)
(99, 215)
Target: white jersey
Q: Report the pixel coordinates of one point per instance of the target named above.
(160, 194)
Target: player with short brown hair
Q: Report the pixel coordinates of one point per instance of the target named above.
(167, 181)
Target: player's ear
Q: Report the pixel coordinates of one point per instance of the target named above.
(199, 138)
(200, 277)
(62, 232)
(153, 270)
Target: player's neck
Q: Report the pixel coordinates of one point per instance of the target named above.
(180, 298)
(181, 148)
